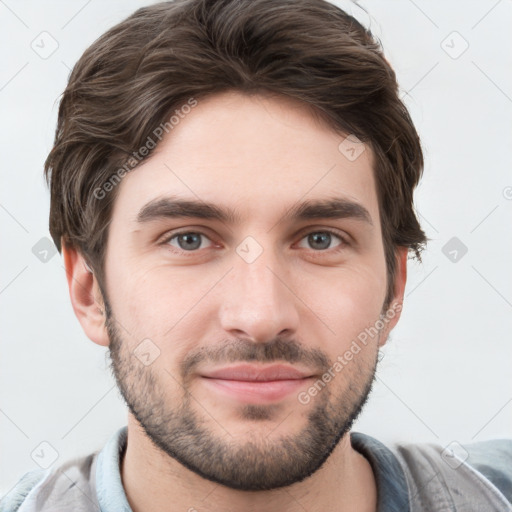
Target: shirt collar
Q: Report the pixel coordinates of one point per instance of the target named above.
(111, 495)
(392, 490)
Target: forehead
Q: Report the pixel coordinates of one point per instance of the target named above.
(257, 154)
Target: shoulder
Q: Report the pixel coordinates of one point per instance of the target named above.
(14, 498)
(459, 474)
(493, 459)
(69, 486)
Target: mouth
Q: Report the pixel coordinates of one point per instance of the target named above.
(256, 383)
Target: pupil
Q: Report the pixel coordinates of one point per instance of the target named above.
(191, 241)
(323, 238)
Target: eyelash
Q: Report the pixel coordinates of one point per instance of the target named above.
(344, 243)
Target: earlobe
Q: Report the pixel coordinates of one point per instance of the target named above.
(85, 295)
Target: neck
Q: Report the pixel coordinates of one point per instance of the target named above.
(153, 481)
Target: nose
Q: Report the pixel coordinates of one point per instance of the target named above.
(258, 299)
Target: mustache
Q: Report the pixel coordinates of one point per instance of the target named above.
(244, 350)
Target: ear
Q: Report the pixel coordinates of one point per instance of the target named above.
(86, 297)
(394, 310)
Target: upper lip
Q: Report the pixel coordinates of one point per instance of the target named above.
(251, 372)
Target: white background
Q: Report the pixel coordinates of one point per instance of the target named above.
(446, 371)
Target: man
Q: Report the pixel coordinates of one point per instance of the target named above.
(232, 191)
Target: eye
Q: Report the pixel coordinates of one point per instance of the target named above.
(187, 241)
(192, 241)
(322, 239)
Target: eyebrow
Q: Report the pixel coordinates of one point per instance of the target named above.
(331, 208)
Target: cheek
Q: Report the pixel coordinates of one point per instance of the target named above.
(347, 300)
(157, 302)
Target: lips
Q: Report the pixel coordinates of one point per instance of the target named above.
(257, 373)
(256, 384)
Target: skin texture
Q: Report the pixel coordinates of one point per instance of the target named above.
(302, 301)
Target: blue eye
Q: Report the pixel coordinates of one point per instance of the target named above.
(192, 241)
(187, 241)
(321, 240)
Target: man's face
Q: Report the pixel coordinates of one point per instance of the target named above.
(277, 284)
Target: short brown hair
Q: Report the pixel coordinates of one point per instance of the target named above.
(133, 77)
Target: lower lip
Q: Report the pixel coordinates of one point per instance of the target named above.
(257, 391)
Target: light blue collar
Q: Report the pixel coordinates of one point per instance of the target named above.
(111, 495)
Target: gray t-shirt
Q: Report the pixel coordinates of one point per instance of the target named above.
(409, 477)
